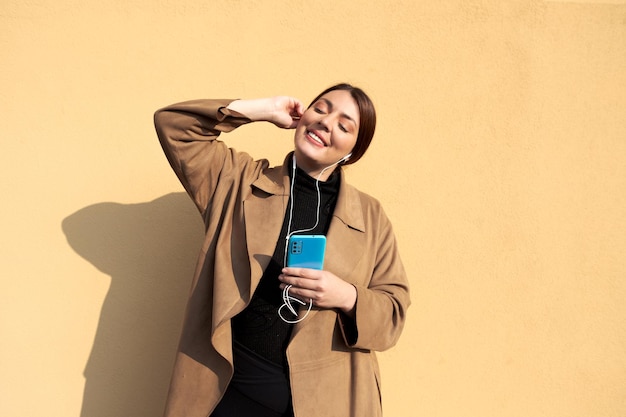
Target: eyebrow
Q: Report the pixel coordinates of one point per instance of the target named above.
(344, 115)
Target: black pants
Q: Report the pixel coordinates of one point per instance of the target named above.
(259, 388)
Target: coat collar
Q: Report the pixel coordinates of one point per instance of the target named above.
(275, 180)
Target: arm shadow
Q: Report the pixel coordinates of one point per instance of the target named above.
(149, 250)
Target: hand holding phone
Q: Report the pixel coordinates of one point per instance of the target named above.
(307, 251)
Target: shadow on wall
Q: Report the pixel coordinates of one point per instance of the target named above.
(149, 250)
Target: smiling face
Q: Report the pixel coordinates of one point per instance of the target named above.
(327, 132)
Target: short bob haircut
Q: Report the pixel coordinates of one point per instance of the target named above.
(367, 118)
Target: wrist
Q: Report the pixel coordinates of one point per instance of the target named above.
(349, 304)
(256, 110)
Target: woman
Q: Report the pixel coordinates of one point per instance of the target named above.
(261, 339)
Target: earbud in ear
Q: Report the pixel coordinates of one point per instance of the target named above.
(345, 158)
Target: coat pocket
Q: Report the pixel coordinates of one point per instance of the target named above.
(345, 386)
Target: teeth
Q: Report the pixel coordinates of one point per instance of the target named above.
(316, 138)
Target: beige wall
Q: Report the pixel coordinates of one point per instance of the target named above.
(500, 157)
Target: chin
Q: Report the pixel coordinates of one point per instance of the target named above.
(304, 149)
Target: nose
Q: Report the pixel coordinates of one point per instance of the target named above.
(325, 122)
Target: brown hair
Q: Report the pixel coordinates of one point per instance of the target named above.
(367, 118)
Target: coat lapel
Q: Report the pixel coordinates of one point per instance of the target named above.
(346, 235)
(264, 212)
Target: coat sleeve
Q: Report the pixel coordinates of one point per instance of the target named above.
(382, 305)
(188, 132)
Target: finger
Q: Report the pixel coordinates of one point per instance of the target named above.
(300, 293)
(294, 123)
(296, 112)
(299, 108)
(292, 280)
(301, 272)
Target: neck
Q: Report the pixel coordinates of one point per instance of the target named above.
(319, 173)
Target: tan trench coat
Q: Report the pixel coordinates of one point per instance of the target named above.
(243, 203)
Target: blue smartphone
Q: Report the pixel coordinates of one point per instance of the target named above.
(306, 251)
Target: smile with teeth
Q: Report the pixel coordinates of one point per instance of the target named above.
(316, 138)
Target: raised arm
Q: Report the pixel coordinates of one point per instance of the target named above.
(188, 132)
